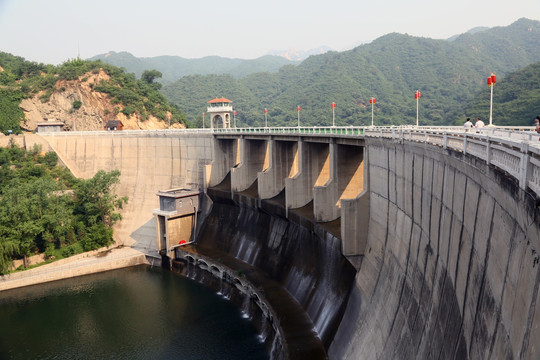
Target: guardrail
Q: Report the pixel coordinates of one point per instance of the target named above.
(515, 132)
(517, 153)
(304, 130)
(126, 132)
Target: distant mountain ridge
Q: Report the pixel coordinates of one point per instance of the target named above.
(299, 55)
(391, 68)
(175, 67)
(471, 31)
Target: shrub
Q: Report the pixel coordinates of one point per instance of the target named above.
(77, 104)
(128, 110)
(46, 96)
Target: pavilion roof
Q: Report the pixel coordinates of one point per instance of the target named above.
(220, 100)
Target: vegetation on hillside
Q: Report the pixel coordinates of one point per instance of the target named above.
(391, 69)
(44, 209)
(23, 79)
(516, 98)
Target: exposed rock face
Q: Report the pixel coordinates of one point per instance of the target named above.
(95, 111)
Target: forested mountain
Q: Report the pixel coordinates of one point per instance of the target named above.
(90, 91)
(391, 68)
(516, 98)
(175, 67)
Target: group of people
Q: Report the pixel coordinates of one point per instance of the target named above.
(480, 124)
(469, 125)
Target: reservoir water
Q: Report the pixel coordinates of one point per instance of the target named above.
(133, 313)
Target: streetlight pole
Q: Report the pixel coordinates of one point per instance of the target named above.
(265, 117)
(203, 120)
(169, 117)
(298, 109)
(333, 105)
(234, 118)
(491, 80)
(372, 102)
(417, 96)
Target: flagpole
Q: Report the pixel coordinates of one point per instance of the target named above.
(333, 105)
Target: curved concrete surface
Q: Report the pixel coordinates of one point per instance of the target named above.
(148, 162)
(451, 267)
(451, 264)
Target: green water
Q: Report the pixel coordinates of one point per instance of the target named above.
(133, 313)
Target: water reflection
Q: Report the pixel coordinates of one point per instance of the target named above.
(134, 313)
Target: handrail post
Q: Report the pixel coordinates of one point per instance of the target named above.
(524, 165)
(488, 150)
(445, 140)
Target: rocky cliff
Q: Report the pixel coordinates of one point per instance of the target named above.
(95, 110)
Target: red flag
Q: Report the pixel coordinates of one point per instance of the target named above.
(265, 110)
(298, 108)
(333, 105)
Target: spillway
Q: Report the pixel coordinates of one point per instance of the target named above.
(444, 260)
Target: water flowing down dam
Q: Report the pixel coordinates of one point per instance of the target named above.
(392, 242)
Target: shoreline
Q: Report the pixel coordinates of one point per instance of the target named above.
(83, 264)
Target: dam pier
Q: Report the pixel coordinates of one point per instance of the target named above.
(394, 242)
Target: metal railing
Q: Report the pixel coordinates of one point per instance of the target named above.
(515, 152)
(294, 130)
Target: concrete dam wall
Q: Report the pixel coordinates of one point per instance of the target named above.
(451, 266)
(448, 249)
(148, 162)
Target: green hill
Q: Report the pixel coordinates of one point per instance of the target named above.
(175, 67)
(21, 79)
(391, 68)
(516, 98)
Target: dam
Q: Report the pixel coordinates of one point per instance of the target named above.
(396, 242)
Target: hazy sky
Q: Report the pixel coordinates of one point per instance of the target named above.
(52, 31)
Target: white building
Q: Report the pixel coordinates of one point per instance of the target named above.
(220, 112)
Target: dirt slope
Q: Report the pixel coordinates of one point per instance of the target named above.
(95, 111)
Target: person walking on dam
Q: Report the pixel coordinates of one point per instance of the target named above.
(468, 124)
(479, 123)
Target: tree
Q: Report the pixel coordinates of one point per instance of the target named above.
(148, 76)
(40, 213)
(10, 113)
(95, 199)
(95, 207)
